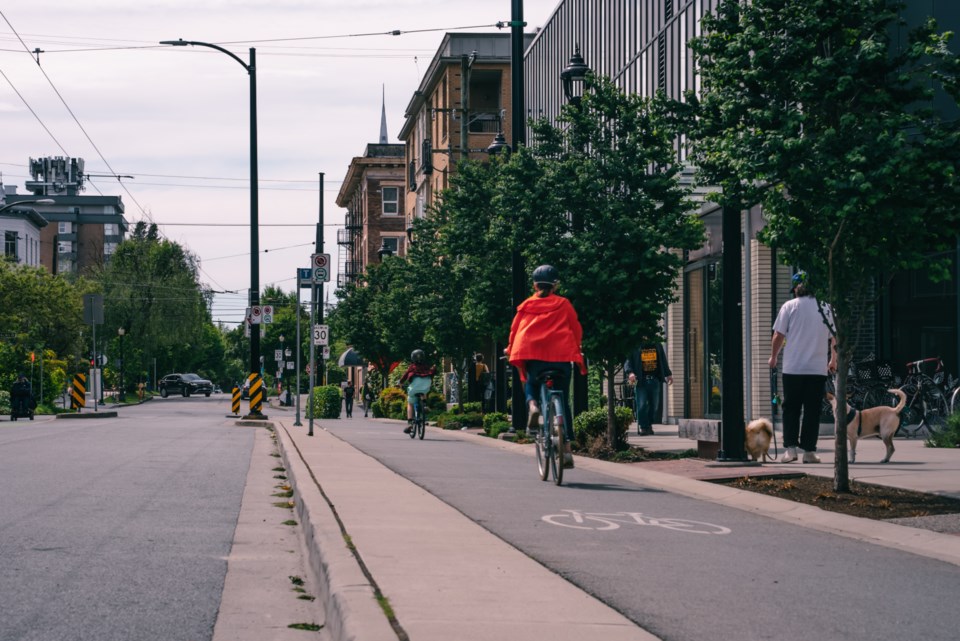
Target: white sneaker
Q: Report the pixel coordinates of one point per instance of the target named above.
(810, 457)
(789, 455)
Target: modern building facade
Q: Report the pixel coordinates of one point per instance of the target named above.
(84, 231)
(642, 47)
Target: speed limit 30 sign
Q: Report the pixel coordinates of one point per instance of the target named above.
(321, 334)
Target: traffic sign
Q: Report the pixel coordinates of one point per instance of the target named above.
(277, 355)
(290, 364)
(256, 315)
(268, 313)
(321, 275)
(326, 352)
(320, 260)
(321, 334)
(305, 276)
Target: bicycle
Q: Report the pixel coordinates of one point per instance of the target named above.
(419, 418)
(926, 401)
(549, 439)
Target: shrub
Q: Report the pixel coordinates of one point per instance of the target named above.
(4, 402)
(593, 423)
(949, 436)
(494, 417)
(326, 402)
(494, 429)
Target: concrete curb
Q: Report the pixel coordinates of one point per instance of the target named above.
(348, 597)
(109, 414)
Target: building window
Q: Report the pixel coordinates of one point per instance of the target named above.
(64, 228)
(392, 243)
(109, 249)
(63, 247)
(391, 201)
(110, 229)
(10, 245)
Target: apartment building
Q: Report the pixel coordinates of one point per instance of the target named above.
(461, 104)
(84, 231)
(20, 227)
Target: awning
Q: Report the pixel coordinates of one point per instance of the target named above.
(350, 358)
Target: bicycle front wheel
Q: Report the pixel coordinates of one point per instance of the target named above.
(556, 437)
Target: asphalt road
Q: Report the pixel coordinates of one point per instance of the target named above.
(119, 528)
(681, 568)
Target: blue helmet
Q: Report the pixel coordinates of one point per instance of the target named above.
(800, 278)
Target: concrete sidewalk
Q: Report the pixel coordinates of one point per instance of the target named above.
(365, 527)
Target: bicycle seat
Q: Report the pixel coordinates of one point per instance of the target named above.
(548, 374)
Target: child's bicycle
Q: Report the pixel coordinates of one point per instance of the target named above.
(549, 439)
(419, 418)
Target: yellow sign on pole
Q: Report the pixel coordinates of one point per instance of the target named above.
(78, 393)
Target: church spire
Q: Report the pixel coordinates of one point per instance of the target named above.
(383, 118)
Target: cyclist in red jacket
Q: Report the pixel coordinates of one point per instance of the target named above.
(420, 376)
(546, 334)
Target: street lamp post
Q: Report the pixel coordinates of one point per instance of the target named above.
(20, 203)
(123, 397)
(281, 366)
(574, 78)
(251, 70)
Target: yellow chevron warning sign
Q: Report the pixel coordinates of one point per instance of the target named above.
(78, 393)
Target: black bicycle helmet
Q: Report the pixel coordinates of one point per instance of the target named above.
(546, 274)
(417, 356)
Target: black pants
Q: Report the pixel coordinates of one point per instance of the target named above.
(348, 401)
(802, 394)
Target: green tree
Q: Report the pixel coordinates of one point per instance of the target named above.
(808, 109)
(610, 213)
(374, 315)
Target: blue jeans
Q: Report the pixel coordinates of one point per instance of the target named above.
(646, 401)
(533, 389)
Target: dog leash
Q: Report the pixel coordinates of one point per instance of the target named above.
(775, 406)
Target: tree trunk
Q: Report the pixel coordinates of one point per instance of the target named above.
(841, 473)
(613, 438)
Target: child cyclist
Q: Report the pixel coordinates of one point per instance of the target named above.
(420, 376)
(546, 334)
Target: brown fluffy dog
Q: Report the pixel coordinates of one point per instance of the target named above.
(759, 433)
(879, 421)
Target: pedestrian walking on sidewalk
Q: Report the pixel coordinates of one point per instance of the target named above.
(647, 370)
(804, 330)
(348, 393)
(367, 395)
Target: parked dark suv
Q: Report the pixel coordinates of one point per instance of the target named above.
(185, 385)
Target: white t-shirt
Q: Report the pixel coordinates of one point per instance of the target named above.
(807, 346)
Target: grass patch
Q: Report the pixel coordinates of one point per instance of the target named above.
(286, 494)
(289, 522)
(279, 469)
(309, 627)
(307, 597)
(287, 504)
(296, 580)
(349, 542)
(386, 607)
(280, 477)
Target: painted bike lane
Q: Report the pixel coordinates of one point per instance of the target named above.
(678, 567)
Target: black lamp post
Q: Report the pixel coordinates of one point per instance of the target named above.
(574, 80)
(574, 77)
(384, 251)
(499, 145)
(123, 395)
(251, 70)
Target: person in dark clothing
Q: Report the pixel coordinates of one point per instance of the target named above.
(647, 370)
(21, 397)
(348, 393)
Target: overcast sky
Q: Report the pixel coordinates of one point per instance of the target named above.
(176, 118)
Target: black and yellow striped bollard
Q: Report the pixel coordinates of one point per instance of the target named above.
(78, 393)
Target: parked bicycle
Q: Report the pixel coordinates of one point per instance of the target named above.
(549, 438)
(927, 403)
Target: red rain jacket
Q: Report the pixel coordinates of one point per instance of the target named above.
(545, 329)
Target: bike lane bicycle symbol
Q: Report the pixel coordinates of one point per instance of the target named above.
(613, 520)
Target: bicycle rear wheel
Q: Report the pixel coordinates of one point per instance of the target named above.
(935, 411)
(542, 445)
(878, 396)
(421, 422)
(556, 437)
(911, 417)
